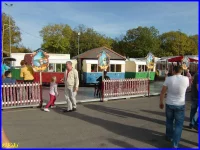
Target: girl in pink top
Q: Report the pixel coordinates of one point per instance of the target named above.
(53, 93)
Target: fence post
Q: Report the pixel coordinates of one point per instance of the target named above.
(102, 91)
(148, 87)
(41, 101)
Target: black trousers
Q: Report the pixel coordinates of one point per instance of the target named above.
(29, 92)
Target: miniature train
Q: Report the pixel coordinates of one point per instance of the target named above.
(90, 72)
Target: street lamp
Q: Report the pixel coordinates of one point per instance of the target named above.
(9, 5)
(78, 41)
(179, 41)
(3, 35)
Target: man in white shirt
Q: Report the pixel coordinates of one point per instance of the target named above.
(176, 87)
(71, 81)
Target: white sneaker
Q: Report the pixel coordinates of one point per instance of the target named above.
(46, 109)
(53, 106)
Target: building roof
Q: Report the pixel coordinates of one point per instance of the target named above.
(92, 54)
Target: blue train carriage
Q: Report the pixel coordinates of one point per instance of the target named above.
(91, 70)
(136, 68)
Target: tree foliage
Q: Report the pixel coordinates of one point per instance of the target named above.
(56, 38)
(175, 43)
(55, 41)
(140, 41)
(15, 33)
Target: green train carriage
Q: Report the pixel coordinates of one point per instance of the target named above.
(136, 68)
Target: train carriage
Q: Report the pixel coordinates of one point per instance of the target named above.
(88, 65)
(56, 61)
(91, 71)
(136, 68)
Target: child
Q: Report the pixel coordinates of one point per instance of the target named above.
(53, 93)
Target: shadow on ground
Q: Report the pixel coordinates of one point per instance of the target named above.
(154, 138)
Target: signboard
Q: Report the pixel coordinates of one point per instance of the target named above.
(185, 63)
(150, 61)
(40, 60)
(103, 60)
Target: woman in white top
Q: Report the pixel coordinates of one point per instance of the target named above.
(53, 93)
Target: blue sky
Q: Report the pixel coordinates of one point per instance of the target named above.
(109, 18)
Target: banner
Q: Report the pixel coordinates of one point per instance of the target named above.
(185, 63)
(40, 60)
(103, 60)
(150, 61)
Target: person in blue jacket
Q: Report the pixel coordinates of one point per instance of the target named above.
(4, 68)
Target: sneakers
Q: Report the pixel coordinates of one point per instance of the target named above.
(53, 106)
(46, 109)
(168, 139)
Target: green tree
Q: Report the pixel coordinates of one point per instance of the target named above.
(139, 41)
(15, 33)
(177, 43)
(56, 38)
(88, 39)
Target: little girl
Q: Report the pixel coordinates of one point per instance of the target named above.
(53, 93)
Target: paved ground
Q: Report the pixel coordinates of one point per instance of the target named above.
(123, 123)
(87, 93)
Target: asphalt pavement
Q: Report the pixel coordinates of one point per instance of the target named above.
(130, 123)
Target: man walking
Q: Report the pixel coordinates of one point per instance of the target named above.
(194, 106)
(71, 81)
(175, 86)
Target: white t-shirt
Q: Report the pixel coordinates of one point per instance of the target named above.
(176, 88)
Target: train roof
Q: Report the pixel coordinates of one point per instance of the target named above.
(93, 53)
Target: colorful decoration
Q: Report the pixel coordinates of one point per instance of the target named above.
(40, 60)
(185, 62)
(150, 61)
(103, 60)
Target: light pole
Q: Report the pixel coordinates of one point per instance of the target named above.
(78, 41)
(3, 35)
(9, 5)
(179, 41)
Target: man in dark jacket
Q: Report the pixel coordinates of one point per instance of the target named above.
(100, 82)
(194, 106)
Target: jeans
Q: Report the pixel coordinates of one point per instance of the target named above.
(174, 132)
(193, 117)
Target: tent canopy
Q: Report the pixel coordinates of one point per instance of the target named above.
(180, 58)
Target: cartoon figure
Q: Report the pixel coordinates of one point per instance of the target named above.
(103, 58)
(150, 61)
(40, 60)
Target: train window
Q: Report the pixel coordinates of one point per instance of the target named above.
(145, 68)
(51, 68)
(58, 68)
(139, 68)
(63, 67)
(118, 68)
(112, 68)
(93, 67)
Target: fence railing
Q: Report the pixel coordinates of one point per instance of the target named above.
(126, 87)
(21, 95)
